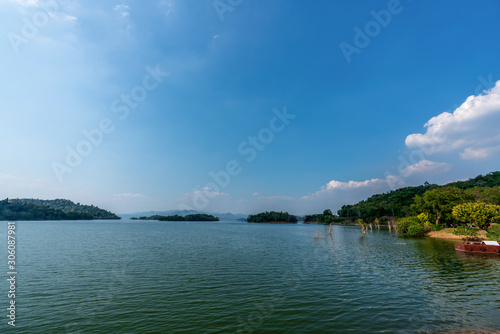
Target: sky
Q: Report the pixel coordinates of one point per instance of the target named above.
(244, 106)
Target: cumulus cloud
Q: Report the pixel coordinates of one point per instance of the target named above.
(471, 153)
(472, 127)
(353, 184)
(334, 187)
(337, 193)
(425, 166)
(332, 195)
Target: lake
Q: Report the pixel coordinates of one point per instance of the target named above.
(234, 277)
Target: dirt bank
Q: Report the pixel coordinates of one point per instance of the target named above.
(447, 233)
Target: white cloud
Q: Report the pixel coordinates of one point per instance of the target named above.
(336, 187)
(7, 177)
(473, 126)
(353, 184)
(337, 193)
(69, 18)
(332, 195)
(471, 153)
(123, 10)
(204, 191)
(425, 166)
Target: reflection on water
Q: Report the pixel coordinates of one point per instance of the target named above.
(229, 277)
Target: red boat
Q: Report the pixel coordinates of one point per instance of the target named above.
(489, 247)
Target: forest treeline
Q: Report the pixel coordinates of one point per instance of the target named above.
(272, 217)
(197, 217)
(58, 209)
(470, 206)
(405, 202)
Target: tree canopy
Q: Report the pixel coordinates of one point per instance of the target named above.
(402, 202)
(200, 217)
(272, 217)
(23, 210)
(439, 203)
(70, 208)
(326, 217)
(477, 214)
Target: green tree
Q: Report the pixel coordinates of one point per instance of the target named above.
(485, 195)
(467, 231)
(363, 225)
(272, 217)
(439, 203)
(413, 226)
(327, 219)
(478, 214)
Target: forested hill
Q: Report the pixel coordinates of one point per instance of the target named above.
(398, 202)
(58, 209)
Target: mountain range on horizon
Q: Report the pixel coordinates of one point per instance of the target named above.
(221, 216)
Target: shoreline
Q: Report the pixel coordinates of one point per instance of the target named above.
(448, 235)
(270, 222)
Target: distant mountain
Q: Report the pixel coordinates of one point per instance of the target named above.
(221, 216)
(69, 208)
(197, 217)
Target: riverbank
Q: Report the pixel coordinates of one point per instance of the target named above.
(270, 222)
(346, 223)
(447, 233)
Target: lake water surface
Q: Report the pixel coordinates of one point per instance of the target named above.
(233, 277)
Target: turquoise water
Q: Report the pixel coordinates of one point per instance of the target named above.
(233, 277)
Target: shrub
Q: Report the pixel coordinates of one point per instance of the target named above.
(494, 232)
(465, 231)
(404, 223)
(437, 227)
(412, 226)
(417, 229)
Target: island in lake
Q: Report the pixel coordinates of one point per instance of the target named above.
(198, 217)
(273, 217)
(58, 209)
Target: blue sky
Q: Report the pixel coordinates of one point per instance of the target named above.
(296, 106)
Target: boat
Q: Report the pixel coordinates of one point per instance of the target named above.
(488, 247)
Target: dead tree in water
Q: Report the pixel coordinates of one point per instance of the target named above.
(392, 224)
(329, 229)
(362, 224)
(318, 235)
